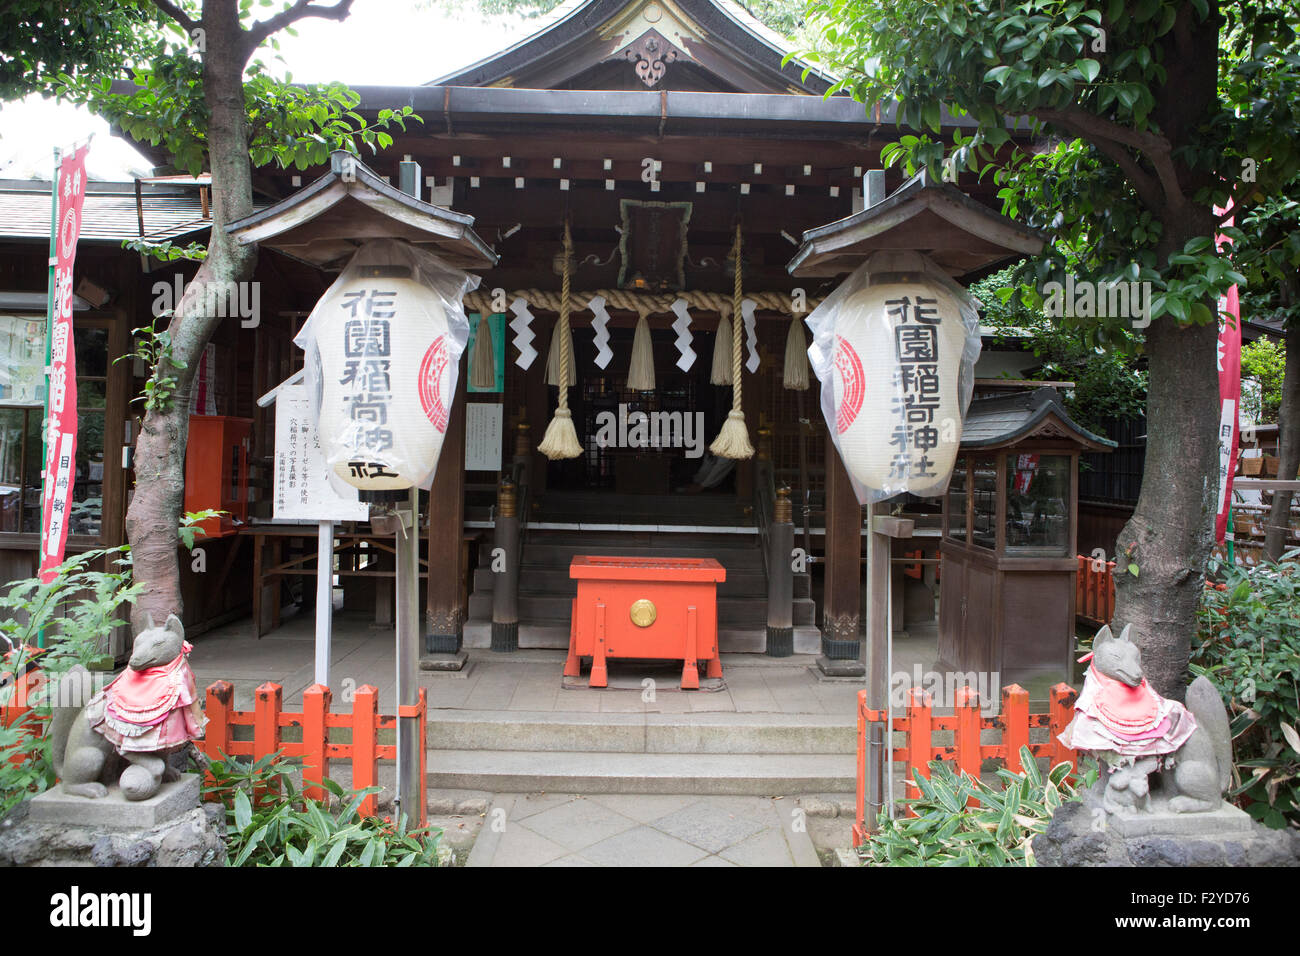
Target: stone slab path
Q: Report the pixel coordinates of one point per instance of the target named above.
(642, 830)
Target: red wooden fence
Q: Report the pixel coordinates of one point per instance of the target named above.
(919, 723)
(268, 720)
(1094, 592)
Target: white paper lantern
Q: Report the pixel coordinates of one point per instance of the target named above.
(383, 354)
(894, 347)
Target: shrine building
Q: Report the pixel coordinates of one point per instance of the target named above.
(659, 133)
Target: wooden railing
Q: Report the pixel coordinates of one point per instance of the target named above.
(1094, 592)
(918, 724)
(318, 746)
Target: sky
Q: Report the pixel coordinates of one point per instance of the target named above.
(393, 42)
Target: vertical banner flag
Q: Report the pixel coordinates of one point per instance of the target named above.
(1229, 398)
(61, 404)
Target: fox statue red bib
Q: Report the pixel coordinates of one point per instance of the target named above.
(894, 347)
(383, 349)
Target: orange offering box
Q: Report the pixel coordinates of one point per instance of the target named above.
(654, 608)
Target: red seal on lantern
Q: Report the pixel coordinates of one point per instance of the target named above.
(852, 384)
(430, 380)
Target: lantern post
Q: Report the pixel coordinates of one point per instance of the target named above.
(408, 652)
(383, 404)
(898, 437)
(407, 576)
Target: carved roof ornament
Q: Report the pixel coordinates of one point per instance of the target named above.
(651, 53)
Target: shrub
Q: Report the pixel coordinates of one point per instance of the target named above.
(963, 821)
(76, 611)
(269, 822)
(1248, 644)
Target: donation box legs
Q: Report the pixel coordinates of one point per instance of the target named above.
(600, 649)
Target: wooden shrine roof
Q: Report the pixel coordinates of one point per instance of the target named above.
(323, 223)
(960, 234)
(995, 423)
(712, 45)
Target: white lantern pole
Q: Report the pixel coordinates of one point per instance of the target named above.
(324, 598)
(408, 654)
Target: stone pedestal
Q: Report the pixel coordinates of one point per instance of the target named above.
(169, 829)
(443, 662)
(1084, 834)
(833, 667)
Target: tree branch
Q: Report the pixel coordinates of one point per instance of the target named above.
(177, 14)
(1154, 146)
(301, 9)
(1101, 135)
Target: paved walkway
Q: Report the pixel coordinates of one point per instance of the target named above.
(642, 830)
(526, 680)
(563, 829)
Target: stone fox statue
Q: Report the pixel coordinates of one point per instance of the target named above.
(1135, 731)
(149, 711)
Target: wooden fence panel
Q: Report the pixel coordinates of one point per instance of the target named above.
(918, 724)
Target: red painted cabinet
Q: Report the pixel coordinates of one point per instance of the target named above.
(216, 471)
(656, 608)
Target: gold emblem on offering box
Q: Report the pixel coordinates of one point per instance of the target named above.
(643, 613)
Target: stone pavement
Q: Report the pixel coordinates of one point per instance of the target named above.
(762, 699)
(642, 830)
(526, 680)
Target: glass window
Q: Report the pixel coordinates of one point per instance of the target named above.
(22, 396)
(92, 386)
(1038, 504)
(22, 360)
(985, 481)
(20, 469)
(957, 501)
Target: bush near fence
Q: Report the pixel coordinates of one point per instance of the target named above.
(918, 724)
(318, 746)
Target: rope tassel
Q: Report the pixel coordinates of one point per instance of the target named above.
(796, 357)
(561, 339)
(721, 372)
(733, 439)
(641, 370)
(561, 438)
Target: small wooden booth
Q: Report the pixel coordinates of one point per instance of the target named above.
(1010, 521)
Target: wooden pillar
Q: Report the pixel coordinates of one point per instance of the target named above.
(842, 599)
(780, 578)
(446, 527)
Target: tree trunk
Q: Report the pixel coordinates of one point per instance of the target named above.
(1170, 534)
(154, 515)
(1288, 445)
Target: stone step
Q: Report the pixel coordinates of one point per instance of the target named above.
(561, 555)
(699, 733)
(532, 635)
(732, 612)
(514, 771)
(739, 583)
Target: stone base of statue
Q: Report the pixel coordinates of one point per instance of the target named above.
(1084, 833)
(171, 828)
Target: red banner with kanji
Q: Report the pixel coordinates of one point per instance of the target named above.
(1229, 399)
(61, 430)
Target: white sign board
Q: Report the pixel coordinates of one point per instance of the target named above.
(483, 436)
(302, 488)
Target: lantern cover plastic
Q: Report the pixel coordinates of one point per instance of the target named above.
(894, 347)
(383, 348)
